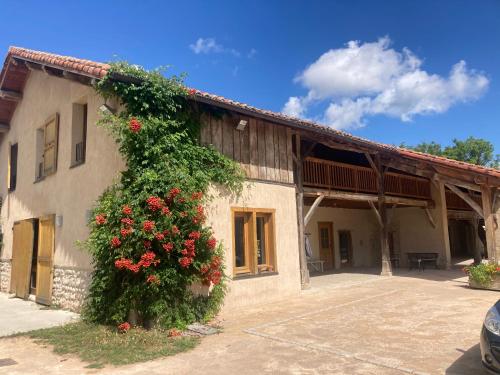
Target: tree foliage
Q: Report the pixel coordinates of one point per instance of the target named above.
(472, 150)
(148, 238)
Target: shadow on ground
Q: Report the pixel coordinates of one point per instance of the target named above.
(469, 363)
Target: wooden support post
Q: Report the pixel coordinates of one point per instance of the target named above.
(492, 248)
(304, 272)
(377, 215)
(316, 203)
(384, 234)
(443, 213)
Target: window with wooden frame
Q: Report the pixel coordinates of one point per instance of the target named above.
(78, 134)
(253, 241)
(46, 148)
(13, 166)
(51, 129)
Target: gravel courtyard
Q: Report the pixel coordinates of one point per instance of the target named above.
(350, 323)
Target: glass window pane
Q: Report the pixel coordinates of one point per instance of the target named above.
(261, 240)
(239, 241)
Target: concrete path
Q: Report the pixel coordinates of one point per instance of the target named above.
(17, 315)
(412, 323)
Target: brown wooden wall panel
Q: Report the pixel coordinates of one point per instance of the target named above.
(254, 151)
(261, 140)
(283, 155)
(227, 139)
(263, 149)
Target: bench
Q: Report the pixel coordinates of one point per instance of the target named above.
(421, 259)
(315, 264)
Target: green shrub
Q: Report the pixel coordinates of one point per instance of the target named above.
(148, 239)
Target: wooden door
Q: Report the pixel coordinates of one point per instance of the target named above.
(44, 271)
(22, 252)
(345, 248)
(325, 232)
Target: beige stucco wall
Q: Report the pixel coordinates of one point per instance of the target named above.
(70, 192)
(364, 233)
(260, 289)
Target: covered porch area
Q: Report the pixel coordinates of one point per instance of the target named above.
(365, 208)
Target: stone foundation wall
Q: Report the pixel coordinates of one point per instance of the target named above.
(5, 267)
(70, 286)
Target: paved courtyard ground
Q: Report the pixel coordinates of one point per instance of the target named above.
(412, 323)
(17, 315)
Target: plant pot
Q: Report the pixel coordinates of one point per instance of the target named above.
(494, 285)
(133, 317)
(200, 290)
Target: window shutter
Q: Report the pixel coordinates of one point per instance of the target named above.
(50, 146)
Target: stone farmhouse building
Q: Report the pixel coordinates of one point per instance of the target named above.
(359, 203)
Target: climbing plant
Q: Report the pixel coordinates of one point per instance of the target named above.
(148, 236)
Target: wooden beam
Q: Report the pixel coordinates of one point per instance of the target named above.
(377, 214)
(489, 224)
(457, 182)
(359, 197)
(316, 203)
(384, 230)
(85, 80)
(32, 66)
(466, 198)
(4, 128)
(304, 272)
(372, 163)
(308, 151)
(429, 216)
(442, 210)
(14, 96)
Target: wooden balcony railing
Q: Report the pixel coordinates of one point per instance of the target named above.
(340, 176)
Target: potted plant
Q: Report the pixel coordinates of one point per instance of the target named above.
(484, 276)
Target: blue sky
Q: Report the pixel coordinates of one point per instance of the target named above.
(398, 87)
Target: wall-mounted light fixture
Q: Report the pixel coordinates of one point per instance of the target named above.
(106, 109)
(59, 220)
(241, 125)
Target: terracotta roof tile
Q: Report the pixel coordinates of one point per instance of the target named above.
(99, 70)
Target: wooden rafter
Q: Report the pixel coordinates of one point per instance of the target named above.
(466, 198)
(4, 128)
(316, 203)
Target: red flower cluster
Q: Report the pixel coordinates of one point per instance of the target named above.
(123, 263)
(127, 221)
(124, 327)
(134, 125)
(174, 332)
(195, 235)
(125, 231)
(185, 262)
(148, 259)
(100, 219)
(155, 203)
(127, 210)
(175, 230)
(200, 215)
(147, 244)
(211, 243)
(168, 246)
(153, 279)
(160, 236)
(173, 193)
(115, 242)
(166, 211)
(148, 226)
(196, 196)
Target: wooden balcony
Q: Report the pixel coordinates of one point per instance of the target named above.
(324, 174)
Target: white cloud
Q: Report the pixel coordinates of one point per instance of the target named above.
(251, 54)
(360, 80)
(206, 45)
